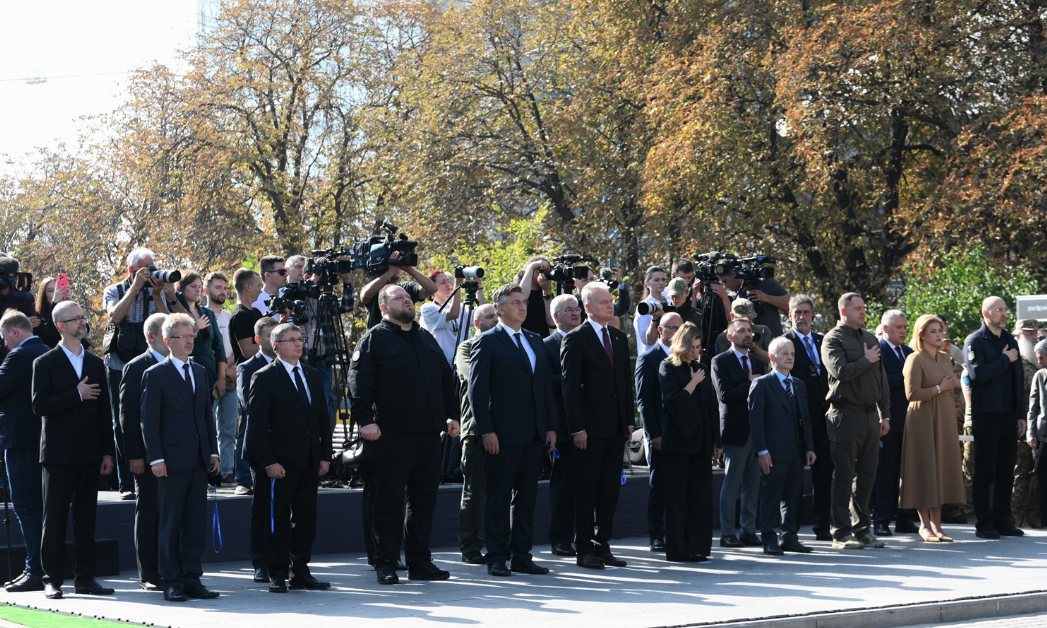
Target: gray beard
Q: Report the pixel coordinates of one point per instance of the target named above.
(1027, 350)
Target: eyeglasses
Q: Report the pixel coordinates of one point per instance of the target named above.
(672, 327)
(999, 310)
(517, 303)
(78, 319)
(279, 271)
(193, 336)
(294, 341)
(570, 310)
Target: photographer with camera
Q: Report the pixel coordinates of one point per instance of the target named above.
(12, 294)
(645, 323)
(144, 292)
(613, 278)
(770, 299)
(274, 277)
(534, 281)
(448, 322)
(680, 297)
(418, 290)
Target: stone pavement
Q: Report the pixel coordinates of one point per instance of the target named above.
(1034, 620)
(909, 582)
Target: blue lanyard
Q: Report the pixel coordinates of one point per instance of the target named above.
(272, 506)
(216, 523)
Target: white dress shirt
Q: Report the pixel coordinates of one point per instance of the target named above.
(523, 341)
(301, 373)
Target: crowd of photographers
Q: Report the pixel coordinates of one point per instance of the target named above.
(498, 389)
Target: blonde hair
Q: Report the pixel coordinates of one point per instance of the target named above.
(921, 325)
(680, 350)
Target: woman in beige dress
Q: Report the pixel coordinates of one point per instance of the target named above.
(931, 473)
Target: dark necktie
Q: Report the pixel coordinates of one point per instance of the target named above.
(188, 380)
(810, 352)
(789, 387)
(607, 346)
(301, 387)
(745, 364)
(901, 356)
(523, 352)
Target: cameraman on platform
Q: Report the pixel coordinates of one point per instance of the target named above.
(449, 325)
(770, 300)
(419, 290)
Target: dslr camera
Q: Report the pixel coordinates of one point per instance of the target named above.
(166, 276)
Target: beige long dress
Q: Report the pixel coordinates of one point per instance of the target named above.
(931, 469)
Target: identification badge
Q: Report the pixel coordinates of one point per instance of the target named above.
(970, 356)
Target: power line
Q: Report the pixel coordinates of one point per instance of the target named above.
(38, 80)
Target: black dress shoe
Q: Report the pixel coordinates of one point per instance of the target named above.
(528, 567)
(987, 534)
(474, 558)
(91, 587)
(308, 582)
(427, 571)
(686, 558)
(906, 526)
(771, 547)
(657, 545)
(499, 569)
(400, 566)
(149, 586)
(795, 546)
(53, 591)
(750, 540)
(261, 574)
(1010, 531)
(200, 592)
(881, 529)
(608, 559)
(18, 578)
(25, 584)
(589, 561)
(387, 574)
(730, 541)
(175, 594)
(278, 585)
(564, 549)
(822, 535)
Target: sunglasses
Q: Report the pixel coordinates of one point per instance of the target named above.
(279, 271)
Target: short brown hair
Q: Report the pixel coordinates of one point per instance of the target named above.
(845, 300)
(13, 319)
(188, 277)
(241, 277)
(269, 262)
(215, 276)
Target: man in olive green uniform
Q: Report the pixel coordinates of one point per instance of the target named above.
(1025, 501)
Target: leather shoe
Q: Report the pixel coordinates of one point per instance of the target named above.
(92, 587)
(25, 584)
(149, 586)
(400, 566)
(822, 535)
(657, 545)
(906, 526)
(608, 559)
(881, 529)
(175, 594)
(20, 577)
(589, 561)
(278, 585)
(795, 546)
(750, 540)
(499, 569)
(387, 574)
(1010, 531)
(771, 547)
(730, 541)
(474, 558)
(308, 582)
(564, 549)
(200, 592)
(528, 567)
(261, 575)
(987, 534)
(427, 571)
(687, 558)
(52, 591)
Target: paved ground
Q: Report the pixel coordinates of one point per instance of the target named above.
(1035, 620)
(738, 585)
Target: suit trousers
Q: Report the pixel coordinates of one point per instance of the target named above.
(404, 465)
(655, 496)
(688, 504)
(821, 474)
(124, 477)
(471, 511)
(780, 492)
(598, 480)
(888, 476)
(259, 520)
(996, 437)
(147, 527)
(512, 489)
(367, 501)
(741, 474)
(182, 497)
(561, 492)
(854, 439)
(65, 486)
(27, 500)
(290, 528)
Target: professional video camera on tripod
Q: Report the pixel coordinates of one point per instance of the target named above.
(710, 267)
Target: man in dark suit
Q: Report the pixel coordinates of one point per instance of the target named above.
(649, 402)
(147, 512)
(598, 402)
(512, 402)
(782, 439)
(733, 371)
(76, 445)
(808, 368)
(289, 441)
(894, 328)
(20, 441)
(263, 329)
(567, 315)
(181, 446)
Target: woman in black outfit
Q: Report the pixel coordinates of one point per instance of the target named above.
(208, 349)
(46, 298)
(690, 438)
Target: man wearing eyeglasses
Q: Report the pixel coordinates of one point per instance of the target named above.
(181, 447)
(274, 277)
(998, 407)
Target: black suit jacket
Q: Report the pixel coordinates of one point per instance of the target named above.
(689, 424)
(244, 372)
(779, 425)
(72, 431)
(648, 391)
(552, 348)
(892, 366)
(985, 366)
(131, 404)
(177, 427)
(281, 428)
(817, 384)
(598, 397)
(19, 425)
(732, 392)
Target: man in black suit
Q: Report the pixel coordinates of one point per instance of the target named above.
(649, 402)
(808, 368)
(894, 328)
(76, 445)
(263, 329)
(567, 315)
(147, 512)
(733, 371)
(598, 402)
(289, 441)
(181, 446)
(20, 441)
(511, 398)
(782, 439)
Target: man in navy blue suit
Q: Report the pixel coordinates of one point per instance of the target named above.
(894, 328)
(20, 441)
(511, 397)
(181, 448)
(649, 402)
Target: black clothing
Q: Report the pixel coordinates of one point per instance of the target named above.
(19, 425)
(767, 314)
(147, 512)
(816, 379)
(536, 320)
(732, 383)
(241, 326)
(374, 314)
(47, 330)
(208, 348)
(561, 480)
(997, 384)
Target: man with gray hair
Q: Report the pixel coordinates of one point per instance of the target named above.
(1037, 428)
(1024, 506)
(893, 330)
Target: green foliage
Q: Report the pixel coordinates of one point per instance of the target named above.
(957, 285)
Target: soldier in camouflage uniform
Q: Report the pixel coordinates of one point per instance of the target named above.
(1025, 501)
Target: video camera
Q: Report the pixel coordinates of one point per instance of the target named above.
(752, 270)
(565, 271)
(713, 264)
(470, 286)
(375, 255)
(18, 281)
(294, 298)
